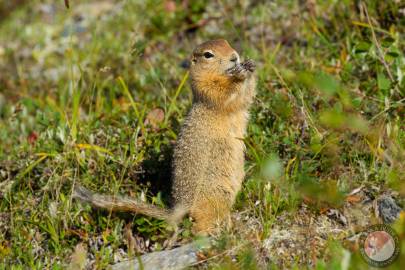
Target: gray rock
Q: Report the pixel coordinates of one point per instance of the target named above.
(175, 259)
(388, 210)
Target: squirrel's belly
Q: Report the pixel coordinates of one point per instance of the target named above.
(225, 170)
(208, 159)
(206, 165)
(238, 161)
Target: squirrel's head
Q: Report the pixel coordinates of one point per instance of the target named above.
(214, 71)
(212, 58)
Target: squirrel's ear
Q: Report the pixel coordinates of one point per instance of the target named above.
(185, 64)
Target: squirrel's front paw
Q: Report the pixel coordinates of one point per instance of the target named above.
(249, 65)
(242, 70)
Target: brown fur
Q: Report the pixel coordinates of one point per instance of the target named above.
(209, 155)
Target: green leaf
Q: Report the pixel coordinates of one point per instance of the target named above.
(362, 47)
(383, 82)
(386, 42)
(393, 52)
(272, 168)
(332, 118)
(326, 83)
(140, 221)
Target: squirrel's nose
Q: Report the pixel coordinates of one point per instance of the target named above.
(234, 58)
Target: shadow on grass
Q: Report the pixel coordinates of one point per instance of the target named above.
(157, 173)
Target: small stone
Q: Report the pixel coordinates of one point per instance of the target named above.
(175, 259)
(387, 210)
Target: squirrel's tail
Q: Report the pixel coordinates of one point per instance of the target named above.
(122, 204)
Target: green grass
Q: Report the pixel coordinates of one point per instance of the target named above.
(76, 97)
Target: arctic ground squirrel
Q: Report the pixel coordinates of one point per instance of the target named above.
(208, 161)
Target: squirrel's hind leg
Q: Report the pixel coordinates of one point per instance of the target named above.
(209, 216)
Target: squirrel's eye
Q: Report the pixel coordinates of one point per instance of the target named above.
(208, 55)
